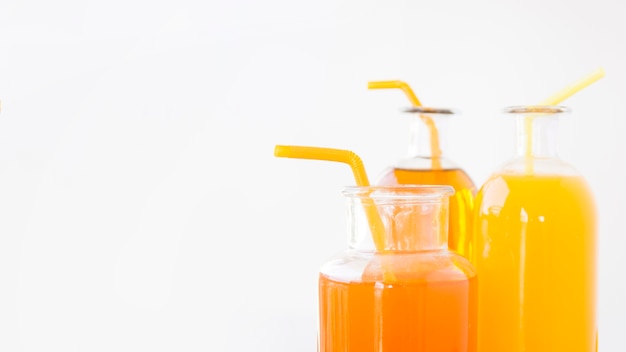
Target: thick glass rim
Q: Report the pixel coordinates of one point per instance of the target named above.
(536, 110)
(399, 192)
(430, 111)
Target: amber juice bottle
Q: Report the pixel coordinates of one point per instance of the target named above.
(426, 164)
(413, 294)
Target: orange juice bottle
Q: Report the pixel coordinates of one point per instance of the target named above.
(426, 166)
(535, 232)
(414, 295)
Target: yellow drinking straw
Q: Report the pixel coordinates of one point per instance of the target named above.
(573, 88)
(432, 128)
(360, 176)
(556, 99)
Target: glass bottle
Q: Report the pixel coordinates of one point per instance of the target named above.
(535, 231)
(414, 295)
(426, 164)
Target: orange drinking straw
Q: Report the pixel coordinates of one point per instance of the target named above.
(397, 85)
(432, 128)
(556, 99)
(358, 170)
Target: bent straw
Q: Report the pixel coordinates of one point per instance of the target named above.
(556, 99)
(360, 176)
(398, 85)
(317, 153)
(430, 124)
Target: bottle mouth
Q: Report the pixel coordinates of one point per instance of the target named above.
(536, 110)
(413, 193)
(429, 111)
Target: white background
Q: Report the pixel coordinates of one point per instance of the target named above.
(141, 207)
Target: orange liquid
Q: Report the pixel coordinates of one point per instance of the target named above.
(413, 314)
(536, 259)
(461, 204)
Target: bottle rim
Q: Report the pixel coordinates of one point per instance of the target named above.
(536, 110)
(429, 110)
(419, 193)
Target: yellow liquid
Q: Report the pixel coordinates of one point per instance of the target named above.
(461, 203)
(536, 264)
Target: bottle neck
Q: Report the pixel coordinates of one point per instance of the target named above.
(427, 136)
(537, 136)
(410, 222)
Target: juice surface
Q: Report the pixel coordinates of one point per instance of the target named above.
(411, 316)
(535, 259)
(461, 204)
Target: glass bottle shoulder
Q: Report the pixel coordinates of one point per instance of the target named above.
(537, 166)
(424, 163)
(547, 190)
(420, 171)
(407, 267)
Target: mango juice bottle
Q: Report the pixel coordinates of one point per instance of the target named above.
(535, 232)
(427, 164)
(413, 295)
